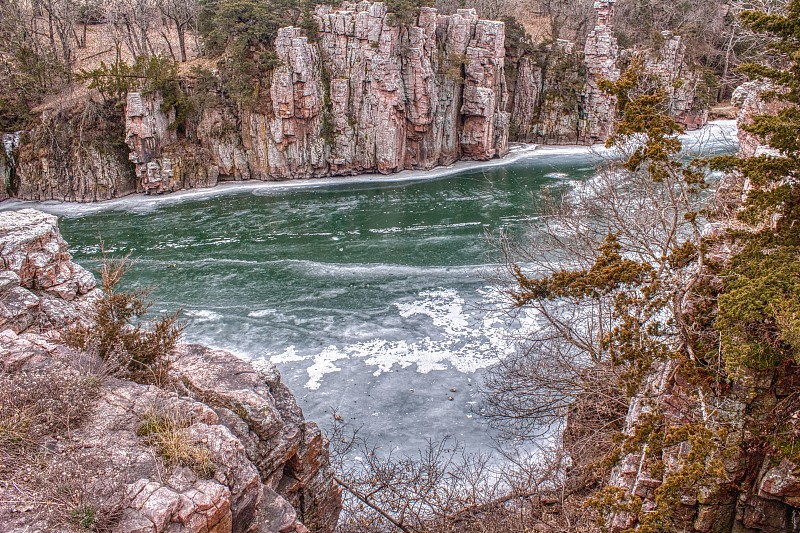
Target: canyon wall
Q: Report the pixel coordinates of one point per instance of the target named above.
(556, 97)
(752, 489)
(265, 469)
(371, 95)
(601, 58)
(74, 153)
(367, 94)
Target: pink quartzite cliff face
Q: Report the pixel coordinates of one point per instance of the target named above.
(371, 95)
(601, 55)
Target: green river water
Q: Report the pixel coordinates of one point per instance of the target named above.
(370, 295)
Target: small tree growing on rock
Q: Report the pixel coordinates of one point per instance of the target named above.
(119, 333)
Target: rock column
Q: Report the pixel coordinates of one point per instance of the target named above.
(600, 57)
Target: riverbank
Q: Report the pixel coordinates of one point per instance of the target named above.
(718, 131)
(371, 294)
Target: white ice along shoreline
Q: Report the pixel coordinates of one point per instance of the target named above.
(716, 132)
(455, 337)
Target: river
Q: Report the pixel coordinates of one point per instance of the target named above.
(371, 295)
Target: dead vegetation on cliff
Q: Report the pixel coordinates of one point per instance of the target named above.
(446, 489)
(165, 429)
(40, 410)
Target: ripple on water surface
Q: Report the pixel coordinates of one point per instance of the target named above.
(373, 298)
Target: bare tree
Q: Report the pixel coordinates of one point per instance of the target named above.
(740, 44)
(89, 12)
(569, 19)
(61, 16)
(182, 14)
(608, 272)
(447, 490)
(133, 21)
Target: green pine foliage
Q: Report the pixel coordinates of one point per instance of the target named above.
(120, 333)
(759, 308)
(735, 315)
(27, 75)
(406, 11)
(242, 34)
(148, 74)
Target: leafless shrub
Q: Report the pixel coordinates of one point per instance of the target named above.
(445, 489)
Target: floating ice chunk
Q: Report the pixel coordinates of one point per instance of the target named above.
(289, 355)
(261, 313)
(202, 315)
(444, 306)
(324, 364)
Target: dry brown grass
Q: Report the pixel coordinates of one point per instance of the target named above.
(166, 431)
(38, 404)
(40, 409)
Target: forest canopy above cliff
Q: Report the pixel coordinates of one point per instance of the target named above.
(44, 44)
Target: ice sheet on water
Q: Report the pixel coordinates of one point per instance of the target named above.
(463, 340)
(145, 204)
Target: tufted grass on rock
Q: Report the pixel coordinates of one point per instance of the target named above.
(166, 431)
(84, 516)
(37, 404)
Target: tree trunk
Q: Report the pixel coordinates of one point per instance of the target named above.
(181, 40)
(169, 45)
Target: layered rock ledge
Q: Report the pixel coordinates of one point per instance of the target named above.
(264, 468)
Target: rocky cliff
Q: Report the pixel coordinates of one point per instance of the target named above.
(369, 93)
(224, 447)
(73, 153)
(751, 492)
(601, 57)
(752, 488)
(556, 98)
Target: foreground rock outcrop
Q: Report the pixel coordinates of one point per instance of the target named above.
(753, 488)
(40, 286)
(751, 493)
(222, 447)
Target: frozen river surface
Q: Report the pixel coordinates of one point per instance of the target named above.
(371, 296)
